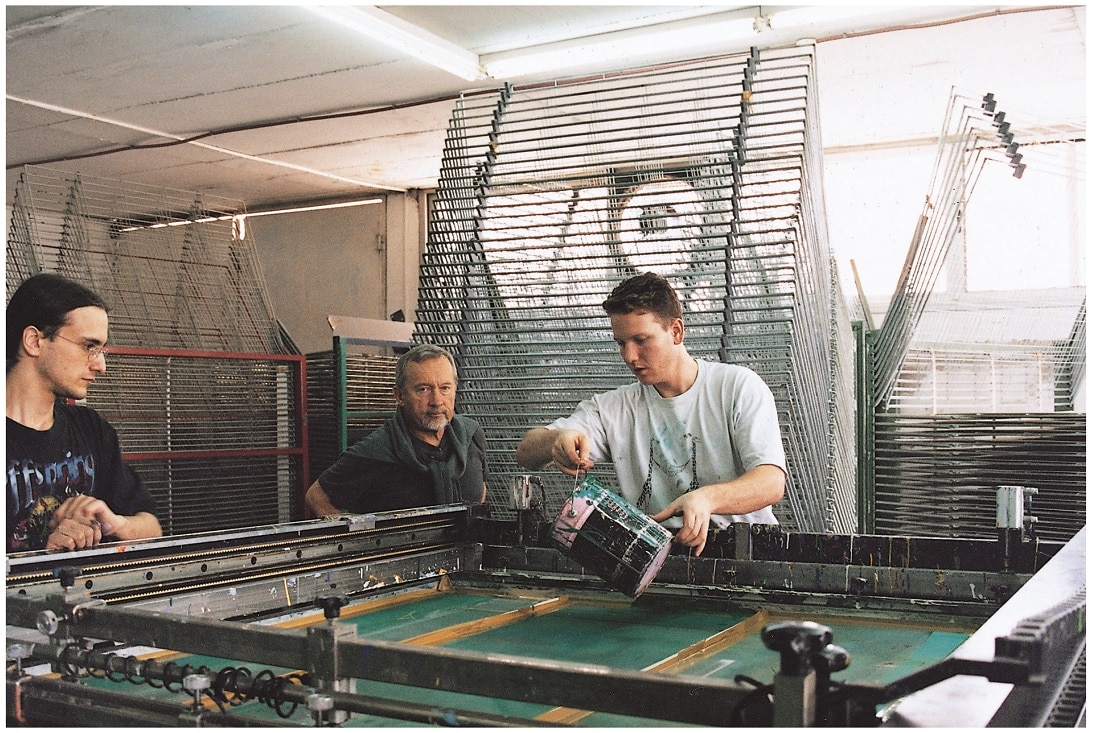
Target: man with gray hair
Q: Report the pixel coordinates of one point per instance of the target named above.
(423, 455)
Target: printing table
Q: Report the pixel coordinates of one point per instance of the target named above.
(442, 616)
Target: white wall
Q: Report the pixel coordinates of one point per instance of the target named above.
(322, 263)
(360, 261)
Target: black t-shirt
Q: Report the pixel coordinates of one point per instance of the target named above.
(79, 455)
(362, 485)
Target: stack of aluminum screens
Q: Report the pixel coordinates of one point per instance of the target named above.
(972, 410)
(369, 390)
(1072, 358)
(933, 283)
(968, 137)
(974, 390)
(706, 173)
(367, 395)
(980, 352)
(938, 474)
(324, 433)
(212, 433)
(841, 509)
(170, 264)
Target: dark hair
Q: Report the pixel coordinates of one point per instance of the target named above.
(417, 354)
(44, 301)
(646, 293)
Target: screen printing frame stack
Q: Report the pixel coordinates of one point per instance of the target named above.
(708, 173)
(208, 404)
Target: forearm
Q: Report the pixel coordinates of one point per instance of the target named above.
(533, 452)
(760, 487)
(136, 527)
(318, 502)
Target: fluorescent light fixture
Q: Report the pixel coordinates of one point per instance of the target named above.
(404, 36)
(317, 207)
(180, 222)
(239, 219)
(619, 46)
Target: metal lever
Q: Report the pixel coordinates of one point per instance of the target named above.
(798, 644)
(331, 605)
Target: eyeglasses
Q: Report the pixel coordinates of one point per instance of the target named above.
(93, 351)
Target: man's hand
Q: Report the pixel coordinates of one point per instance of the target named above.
(696, 508)
(759, 487)
(570, 452)
(72, 534)
(82, 522)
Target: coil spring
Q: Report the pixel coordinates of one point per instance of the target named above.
(237, 685)
(230, 686)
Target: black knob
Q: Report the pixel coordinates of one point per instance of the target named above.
(331, 605)
(797, 642)
(68, 575)
(832, 659)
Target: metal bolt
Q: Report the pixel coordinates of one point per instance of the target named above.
(19, 651)
(47, 622)
(319, 705)
(196, 684)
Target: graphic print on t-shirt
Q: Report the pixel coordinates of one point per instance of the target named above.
(35, 492)
(672, 459)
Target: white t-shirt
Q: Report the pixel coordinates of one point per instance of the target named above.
(723, 426)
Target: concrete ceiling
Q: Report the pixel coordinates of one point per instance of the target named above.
(275, 104)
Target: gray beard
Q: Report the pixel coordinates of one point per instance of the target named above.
(434, 425)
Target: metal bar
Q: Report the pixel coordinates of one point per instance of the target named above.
(865, 432)
(590, 687)
(594, 687)
(340, 355)
(182, 455)
(313, 540)
(44, 701)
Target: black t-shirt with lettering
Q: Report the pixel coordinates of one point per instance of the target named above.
(79, 455)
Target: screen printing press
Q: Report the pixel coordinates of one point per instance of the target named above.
(446, 616)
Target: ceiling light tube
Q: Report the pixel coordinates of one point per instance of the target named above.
(317, 207)
(239, 218)
(405, 37)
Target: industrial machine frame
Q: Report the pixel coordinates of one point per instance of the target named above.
(210, 593)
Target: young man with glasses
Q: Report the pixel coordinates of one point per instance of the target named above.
(68, 487)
